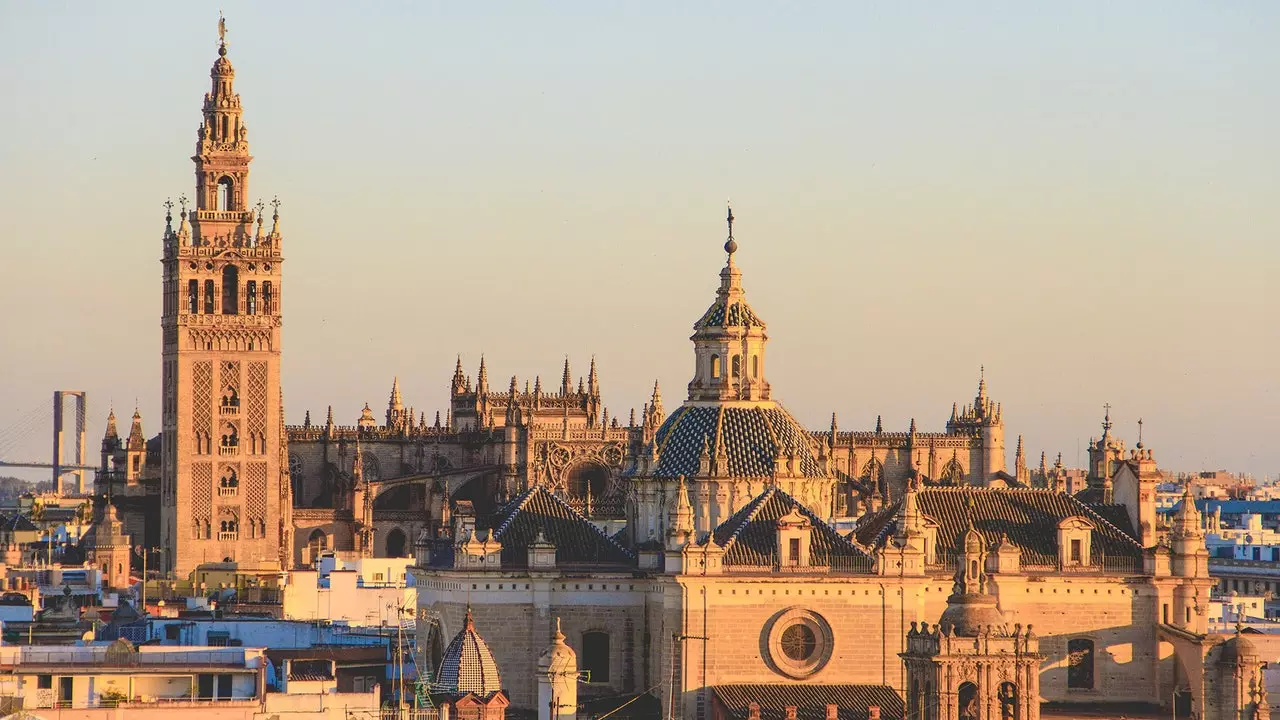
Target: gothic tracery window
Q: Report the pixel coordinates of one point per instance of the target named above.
(799, 642)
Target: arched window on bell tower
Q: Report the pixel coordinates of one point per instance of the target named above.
(715, 367)
(226, 194)
(193, 296)
(266, 297)
(208, 297)
(251, 298)
(230, 290)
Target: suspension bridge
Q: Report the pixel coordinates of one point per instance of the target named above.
(31, 423)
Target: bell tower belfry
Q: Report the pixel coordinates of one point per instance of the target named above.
(223, 494)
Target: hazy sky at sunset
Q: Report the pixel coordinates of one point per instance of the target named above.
(1081, 196)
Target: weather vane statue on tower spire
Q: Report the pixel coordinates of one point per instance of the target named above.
(222, 33)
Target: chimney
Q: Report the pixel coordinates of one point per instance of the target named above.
(873, 712)
(791, 712)
(753, 711)
(833, 712)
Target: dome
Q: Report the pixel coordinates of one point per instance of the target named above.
(968, 614)
(468, 665)
(1238, 647)
(558, 655)
(744, 441)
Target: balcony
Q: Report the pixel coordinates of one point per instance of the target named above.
(228, 536)
(228, 491)
(226, 450)
(229, 410)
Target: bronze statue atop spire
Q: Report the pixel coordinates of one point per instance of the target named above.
(222, 34)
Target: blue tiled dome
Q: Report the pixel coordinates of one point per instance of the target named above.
(751, 439)
(467, 665)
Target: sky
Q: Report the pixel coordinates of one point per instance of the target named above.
(1079, 197)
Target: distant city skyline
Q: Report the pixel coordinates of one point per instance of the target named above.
(1077, 198)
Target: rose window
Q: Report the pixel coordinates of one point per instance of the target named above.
(799, 642)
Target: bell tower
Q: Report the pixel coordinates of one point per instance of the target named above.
(223, 494)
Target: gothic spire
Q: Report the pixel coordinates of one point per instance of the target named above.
(980, 401)
(357, 464)
(566, 382)
(396, 403)
(459, 383)
(112, 433)
(136, 439)
(482, 378)
(593, 380)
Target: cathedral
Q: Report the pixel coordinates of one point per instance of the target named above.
(710, 556)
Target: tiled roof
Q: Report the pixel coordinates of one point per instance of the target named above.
(577, 540)
(729, 312)
(875, 526)
(1028, 518)
(810, 701)
(1091, 495)
(16, 522)
(467, 665)
(753, 438)
(750, 536)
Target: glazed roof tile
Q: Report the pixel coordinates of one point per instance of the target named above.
(750, 536)
(1028, 518)
(577, 540)
(810, 700)
(729, 312)
(750, 439)
(467, 665)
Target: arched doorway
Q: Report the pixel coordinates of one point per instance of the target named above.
(395, 543)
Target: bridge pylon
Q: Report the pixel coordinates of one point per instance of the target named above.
(60, 485)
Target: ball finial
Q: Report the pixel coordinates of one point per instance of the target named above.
(730, 245)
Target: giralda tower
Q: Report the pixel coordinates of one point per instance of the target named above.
(224, 494)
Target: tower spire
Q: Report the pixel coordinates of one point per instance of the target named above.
(730, 245)
(566, 382)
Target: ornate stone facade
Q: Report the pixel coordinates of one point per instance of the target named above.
(221, 487)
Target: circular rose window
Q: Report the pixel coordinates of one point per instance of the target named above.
(799, 642)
